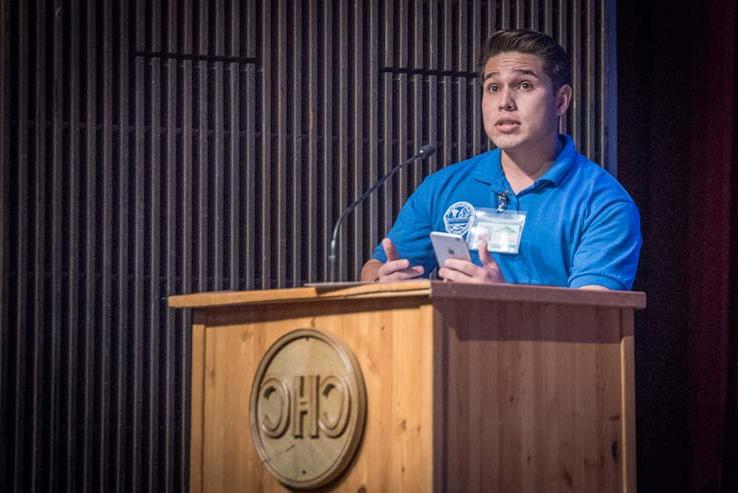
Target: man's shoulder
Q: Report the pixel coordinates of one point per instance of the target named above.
(591, 177)
(463, 169)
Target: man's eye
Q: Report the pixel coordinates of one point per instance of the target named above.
(525, 86)
(492, 88)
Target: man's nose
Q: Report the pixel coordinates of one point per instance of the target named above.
(507, 102)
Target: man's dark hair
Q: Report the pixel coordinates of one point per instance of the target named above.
(555, 60)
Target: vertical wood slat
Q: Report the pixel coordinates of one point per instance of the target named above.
(313, 179)
(267, 163)
(328, 125)
(433, 81)
(477, 140)
(20, 414)
(576, 54)
(533, 15)
(506, 14)
(562, 38)
(5, 299)
(122, 440)
(608, 97)
(448, 81)
(71, 452)
(461, 86)
(387, 116)
(401, 109)
(418, 83)
(279, 209)
(91, 298)
(203, 158)
(187, 101)
(39, 433)
(250, 150)
(153, 388)
(138, 476)
(358, 123)
(342, 159)
(591, 110)
(57, 227)
(173, 245)
(548, 17)
(520, 14)
(106, 300)
(218, 157)
(235, 239)
(374, 212)
(295, 230)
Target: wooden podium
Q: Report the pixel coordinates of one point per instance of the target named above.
(468, 388)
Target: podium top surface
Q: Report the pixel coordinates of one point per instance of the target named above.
(433, 290)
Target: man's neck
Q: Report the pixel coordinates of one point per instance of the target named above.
(523, 167)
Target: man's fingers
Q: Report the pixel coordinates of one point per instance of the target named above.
(392, 266)
(404, 274)
(460, 265)
(465, 271)
(452, 275)
(390, 250)
(484, 255)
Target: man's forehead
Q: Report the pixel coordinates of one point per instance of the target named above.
(514, 63)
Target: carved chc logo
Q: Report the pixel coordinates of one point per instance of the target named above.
(307, 408)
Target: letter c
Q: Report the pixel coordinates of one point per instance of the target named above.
(275, 426)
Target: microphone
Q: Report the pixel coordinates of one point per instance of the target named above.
(426, 151)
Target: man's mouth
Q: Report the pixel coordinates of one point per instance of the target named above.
(506, 123)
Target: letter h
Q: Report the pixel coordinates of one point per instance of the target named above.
(305, 404)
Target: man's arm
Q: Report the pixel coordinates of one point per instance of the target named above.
(394, 269)
(370, 271)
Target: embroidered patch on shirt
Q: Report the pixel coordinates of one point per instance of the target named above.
(458, 218)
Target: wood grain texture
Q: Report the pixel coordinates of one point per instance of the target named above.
(529, 406)
(628, 403)
(197, 407)
(436, 289)
(348, 290)
(488, 392)
(394, 350)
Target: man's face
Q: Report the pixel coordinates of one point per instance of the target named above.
(519, 108)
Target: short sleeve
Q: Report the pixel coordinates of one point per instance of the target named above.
(609, 248)
(411, 230)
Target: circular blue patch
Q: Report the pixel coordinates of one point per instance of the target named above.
(458, 218)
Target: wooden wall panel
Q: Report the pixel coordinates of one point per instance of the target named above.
(172, 146)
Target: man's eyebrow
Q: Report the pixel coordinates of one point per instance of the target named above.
(524, 71)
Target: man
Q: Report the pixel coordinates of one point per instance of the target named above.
(577, 226)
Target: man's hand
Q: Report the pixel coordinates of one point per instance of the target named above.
(394, 269)
(455, 269)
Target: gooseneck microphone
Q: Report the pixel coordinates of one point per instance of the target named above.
(424, 152)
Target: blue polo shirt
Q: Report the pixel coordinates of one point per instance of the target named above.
(581, 226)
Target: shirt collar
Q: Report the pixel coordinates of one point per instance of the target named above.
(490, 172)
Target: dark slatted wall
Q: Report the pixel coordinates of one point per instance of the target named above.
(159, 147)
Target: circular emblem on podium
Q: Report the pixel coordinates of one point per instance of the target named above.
(307, 408)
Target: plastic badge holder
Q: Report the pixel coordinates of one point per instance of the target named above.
(502, 230)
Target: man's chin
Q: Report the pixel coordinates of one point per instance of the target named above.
(507, 142)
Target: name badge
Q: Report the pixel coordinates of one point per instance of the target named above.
(502, 229)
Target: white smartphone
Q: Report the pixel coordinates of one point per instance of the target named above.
(447, 246)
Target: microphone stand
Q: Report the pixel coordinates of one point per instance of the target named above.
(424, 152)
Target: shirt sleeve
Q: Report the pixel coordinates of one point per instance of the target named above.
(609, 248)
(411, 231)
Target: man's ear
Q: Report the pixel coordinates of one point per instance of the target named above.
(563, 99)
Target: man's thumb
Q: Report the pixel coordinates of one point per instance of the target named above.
(390, 250)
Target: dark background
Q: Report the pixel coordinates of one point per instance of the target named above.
(153, 148)
(677, 157)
